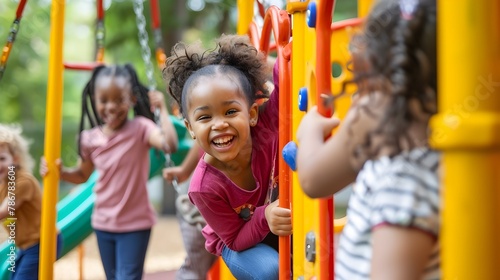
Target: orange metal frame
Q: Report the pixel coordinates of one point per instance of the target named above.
(323, 86)
(278, 22)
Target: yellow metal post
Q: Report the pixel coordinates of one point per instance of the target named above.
(298, 12)
(467, 130)
(52, 140)
(364, 7)
(245, 15)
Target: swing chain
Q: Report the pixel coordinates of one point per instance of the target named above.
(14, 28)
(146, 51)
(170, 163)
(146, 56)
(99, 35)
(144, 42)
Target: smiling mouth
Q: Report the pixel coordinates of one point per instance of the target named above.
(223, 141)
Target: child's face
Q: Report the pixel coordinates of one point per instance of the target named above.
(6, 162)
(219, 116)
(113, 99)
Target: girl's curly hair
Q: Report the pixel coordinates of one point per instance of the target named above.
(396, 55)
(11, 136)
(234, 56)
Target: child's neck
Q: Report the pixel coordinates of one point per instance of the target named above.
(108, 131)
(242, 176)
(238, 170)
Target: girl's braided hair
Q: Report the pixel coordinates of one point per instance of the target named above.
(127, 71)
(396, 54)
(233, 57)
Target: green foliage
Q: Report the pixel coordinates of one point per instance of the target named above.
(345, 9)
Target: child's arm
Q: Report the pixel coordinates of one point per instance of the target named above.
(166, 138)
(182, 172)
(404, 257)
(76, 175)
(325, 167)
(79, 174)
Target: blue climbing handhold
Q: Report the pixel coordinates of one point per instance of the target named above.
(303, 99)
(289, 154)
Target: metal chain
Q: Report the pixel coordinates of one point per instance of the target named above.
(14, 28)
(170, 163)
(100, 34)
(146, 51)
(146, 56)
(144, 42)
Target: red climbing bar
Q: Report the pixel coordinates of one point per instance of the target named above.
(323, 86)
(86, 66)
(278, 22)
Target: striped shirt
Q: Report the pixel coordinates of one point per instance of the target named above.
(402, 191)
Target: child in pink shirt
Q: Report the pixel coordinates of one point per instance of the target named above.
(118, 148)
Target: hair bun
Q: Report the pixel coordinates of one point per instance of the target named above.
(183, 61)
(236, 51)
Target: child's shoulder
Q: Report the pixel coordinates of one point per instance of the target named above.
(141, 120)
(26, 179)
(89, 132)
(206, 176)
(415, 170)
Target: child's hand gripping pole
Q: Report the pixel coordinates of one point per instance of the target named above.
(290, 149)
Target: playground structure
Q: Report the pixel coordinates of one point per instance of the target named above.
(468, 105)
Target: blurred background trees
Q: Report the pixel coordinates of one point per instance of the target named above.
(24, 83)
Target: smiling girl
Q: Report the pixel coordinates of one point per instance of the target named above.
(233, 182)
(118, 148)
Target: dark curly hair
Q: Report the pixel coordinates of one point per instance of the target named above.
(396, 55)
(89, 112)
(234, 57)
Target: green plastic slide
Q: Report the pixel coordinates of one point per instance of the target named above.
(75, 209)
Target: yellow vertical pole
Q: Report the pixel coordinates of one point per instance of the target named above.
(298, 12)
(364, 7)
(52, 140)
(245, 15)
(467, 131)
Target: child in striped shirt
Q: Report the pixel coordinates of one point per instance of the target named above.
(393, 214)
